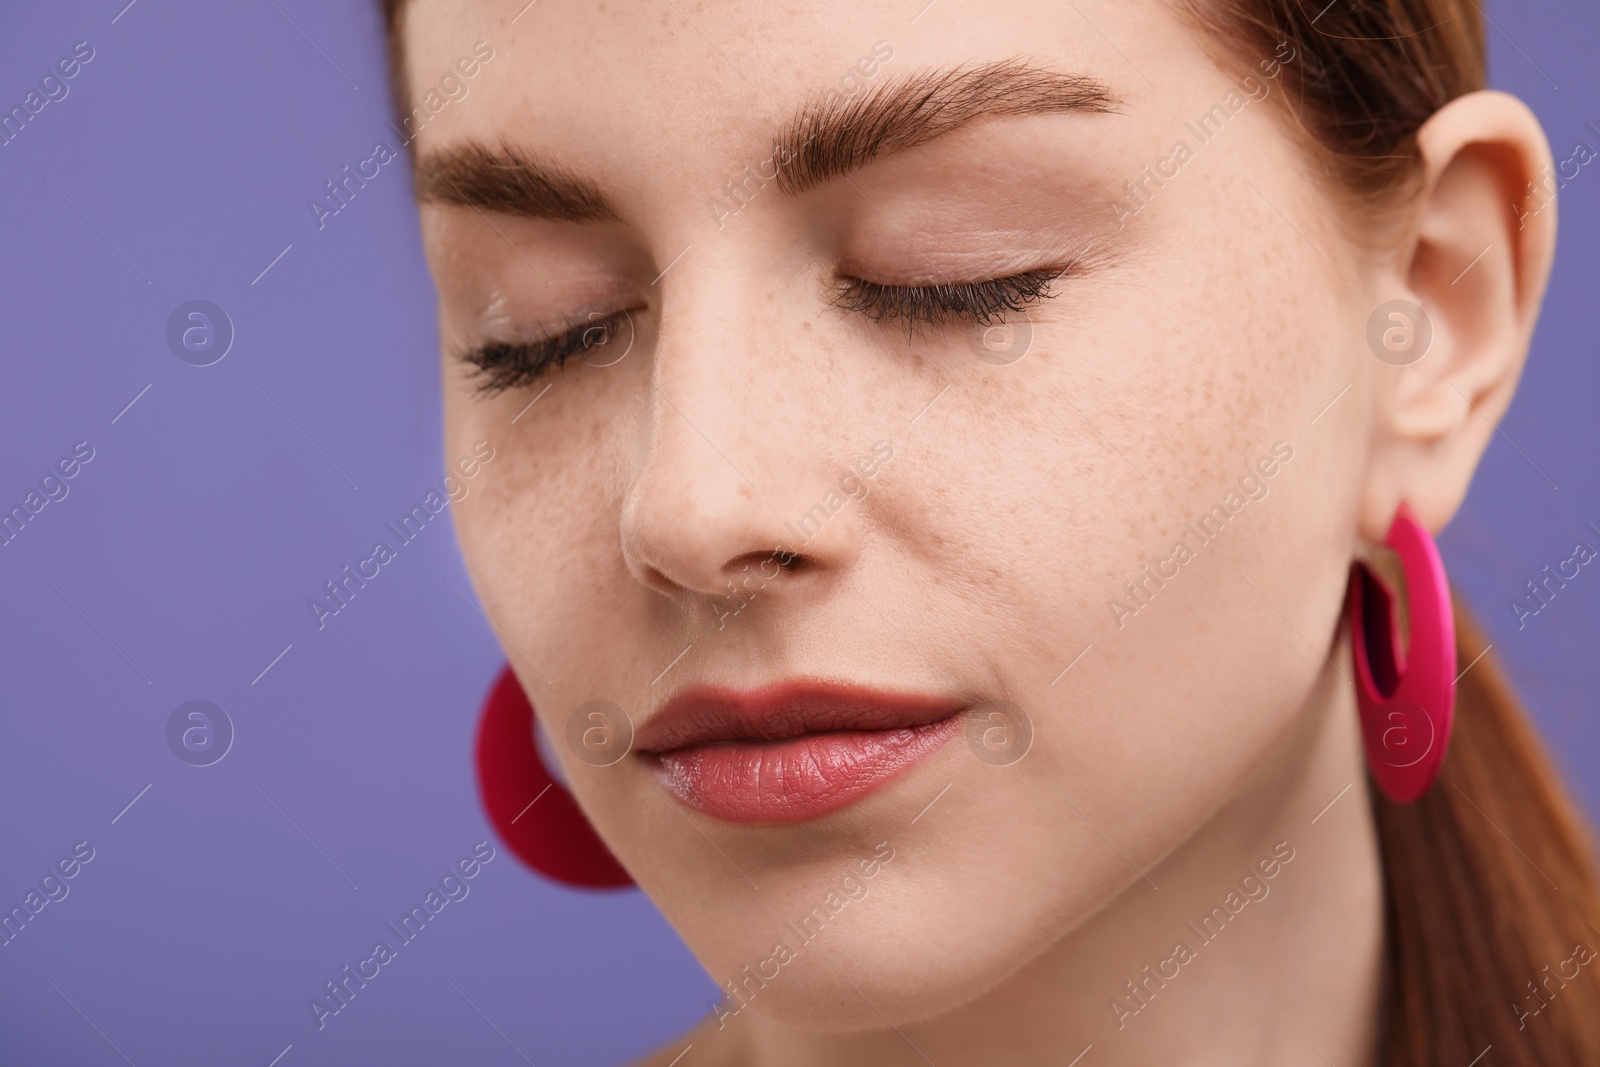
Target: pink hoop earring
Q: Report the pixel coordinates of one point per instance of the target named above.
(532, 812)
(1406, 695)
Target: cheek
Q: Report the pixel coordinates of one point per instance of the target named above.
(1118, 430)
(538, 531)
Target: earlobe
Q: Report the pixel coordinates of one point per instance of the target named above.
(1476, 261)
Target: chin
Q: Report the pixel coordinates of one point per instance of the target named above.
(948, 914)
(859, 979)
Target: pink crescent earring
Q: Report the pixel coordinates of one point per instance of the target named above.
(1406, 694)
(532, 812)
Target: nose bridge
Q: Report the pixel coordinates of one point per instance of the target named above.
(735, 445)
(714, 351)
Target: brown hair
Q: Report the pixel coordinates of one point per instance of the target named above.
(1367, 75)
(1490, 885)
(1491, 893)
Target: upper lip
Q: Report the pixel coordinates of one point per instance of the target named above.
(706, 714)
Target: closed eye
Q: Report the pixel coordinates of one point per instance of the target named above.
(983, 303)
(503, 365)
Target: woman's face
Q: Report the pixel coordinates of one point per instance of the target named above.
(1107, 501)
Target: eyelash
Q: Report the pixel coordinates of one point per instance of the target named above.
(984, 303)
(509, 365)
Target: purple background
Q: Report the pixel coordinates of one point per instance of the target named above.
(180, 563)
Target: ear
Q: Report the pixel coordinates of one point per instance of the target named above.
(1478, 239)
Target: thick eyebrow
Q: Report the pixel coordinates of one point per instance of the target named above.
(833, 136)
(826, 140)
(508, 180)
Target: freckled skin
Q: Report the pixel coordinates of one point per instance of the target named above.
(1186, 741)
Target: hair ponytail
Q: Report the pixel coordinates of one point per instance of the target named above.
(1490, 896)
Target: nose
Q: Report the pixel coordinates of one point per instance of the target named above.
(737, 485)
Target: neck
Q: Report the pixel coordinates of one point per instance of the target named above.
(1195, 963)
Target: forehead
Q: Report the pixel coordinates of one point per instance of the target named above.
(640, 84)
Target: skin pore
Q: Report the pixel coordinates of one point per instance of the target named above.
(1181, 747)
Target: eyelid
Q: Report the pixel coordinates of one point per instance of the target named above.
(510, 364)
(983, 302)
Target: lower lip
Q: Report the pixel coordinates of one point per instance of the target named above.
(797, 778)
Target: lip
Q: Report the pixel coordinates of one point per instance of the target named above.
(791, 751)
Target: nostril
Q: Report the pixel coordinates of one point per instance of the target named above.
(765, 566)
(786, 560)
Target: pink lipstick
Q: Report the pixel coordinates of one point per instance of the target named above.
(792, 751)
